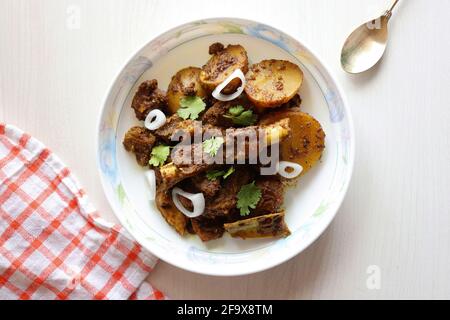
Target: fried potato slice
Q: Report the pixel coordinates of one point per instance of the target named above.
(306, 142)
(268, 226)
(221, 65)
(270, 83)
(185, 82)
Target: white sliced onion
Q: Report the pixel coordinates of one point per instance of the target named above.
(151, 179)
(155, 119)
(296, 169)
(217, 93)
(197, 199)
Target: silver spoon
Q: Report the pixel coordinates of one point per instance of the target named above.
(366, 45)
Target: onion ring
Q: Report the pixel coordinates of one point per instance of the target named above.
(228, 97)
(296, 169)
(197, 199)
(155, 119)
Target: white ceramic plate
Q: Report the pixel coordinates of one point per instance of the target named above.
(310, 206)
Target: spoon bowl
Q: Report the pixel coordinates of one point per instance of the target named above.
(366, 45)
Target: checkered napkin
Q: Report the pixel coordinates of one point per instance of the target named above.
(53, 244)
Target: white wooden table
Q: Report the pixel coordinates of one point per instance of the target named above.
(395, 221)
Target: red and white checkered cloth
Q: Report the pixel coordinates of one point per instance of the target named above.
(53, 244)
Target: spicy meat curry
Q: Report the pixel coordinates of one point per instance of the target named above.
(208, 138)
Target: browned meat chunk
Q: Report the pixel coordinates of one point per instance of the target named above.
(268, 226)
(216, 48)
(171, 174)
(272, 195)
(140, 141)
(174, 123)
(189, 227)
(147, 98)
(208, 229)
(202, 184)
(295, 102)
(216, 114)
(224, 203)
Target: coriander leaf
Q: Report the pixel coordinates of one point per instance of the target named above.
(248, 198)
(240, 116)
(236, 110)
(159, 155)
(212, 146)
(214, 174)
(246, 118)
(228, 173)
(191, 107)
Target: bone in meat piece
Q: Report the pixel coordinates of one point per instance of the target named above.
(268, 226)
(178, 170)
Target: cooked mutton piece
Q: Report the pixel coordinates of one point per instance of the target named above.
(176, 124)
(268, 226)
(147, 98)
(207, 229)
(272, 195)
(171, 174)
(140, 141)
(173, 124)
(168, 210)
(202, 184)
(295, 102)
(179, 169)
(216, 115)
(224, 203)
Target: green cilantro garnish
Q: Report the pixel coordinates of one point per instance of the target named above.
(248, 198)
(191, 107)
(212, 146)
(229, 172)
(236, 110)
(240, 116)
(159, 155)
(215, 174)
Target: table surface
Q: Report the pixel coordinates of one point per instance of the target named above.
(391, 237)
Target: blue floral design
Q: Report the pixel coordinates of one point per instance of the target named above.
(107, 155)
(264, 32)
(136, 68)
(335, 106)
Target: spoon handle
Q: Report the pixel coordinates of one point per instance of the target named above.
(393, 6)
(388, 13)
